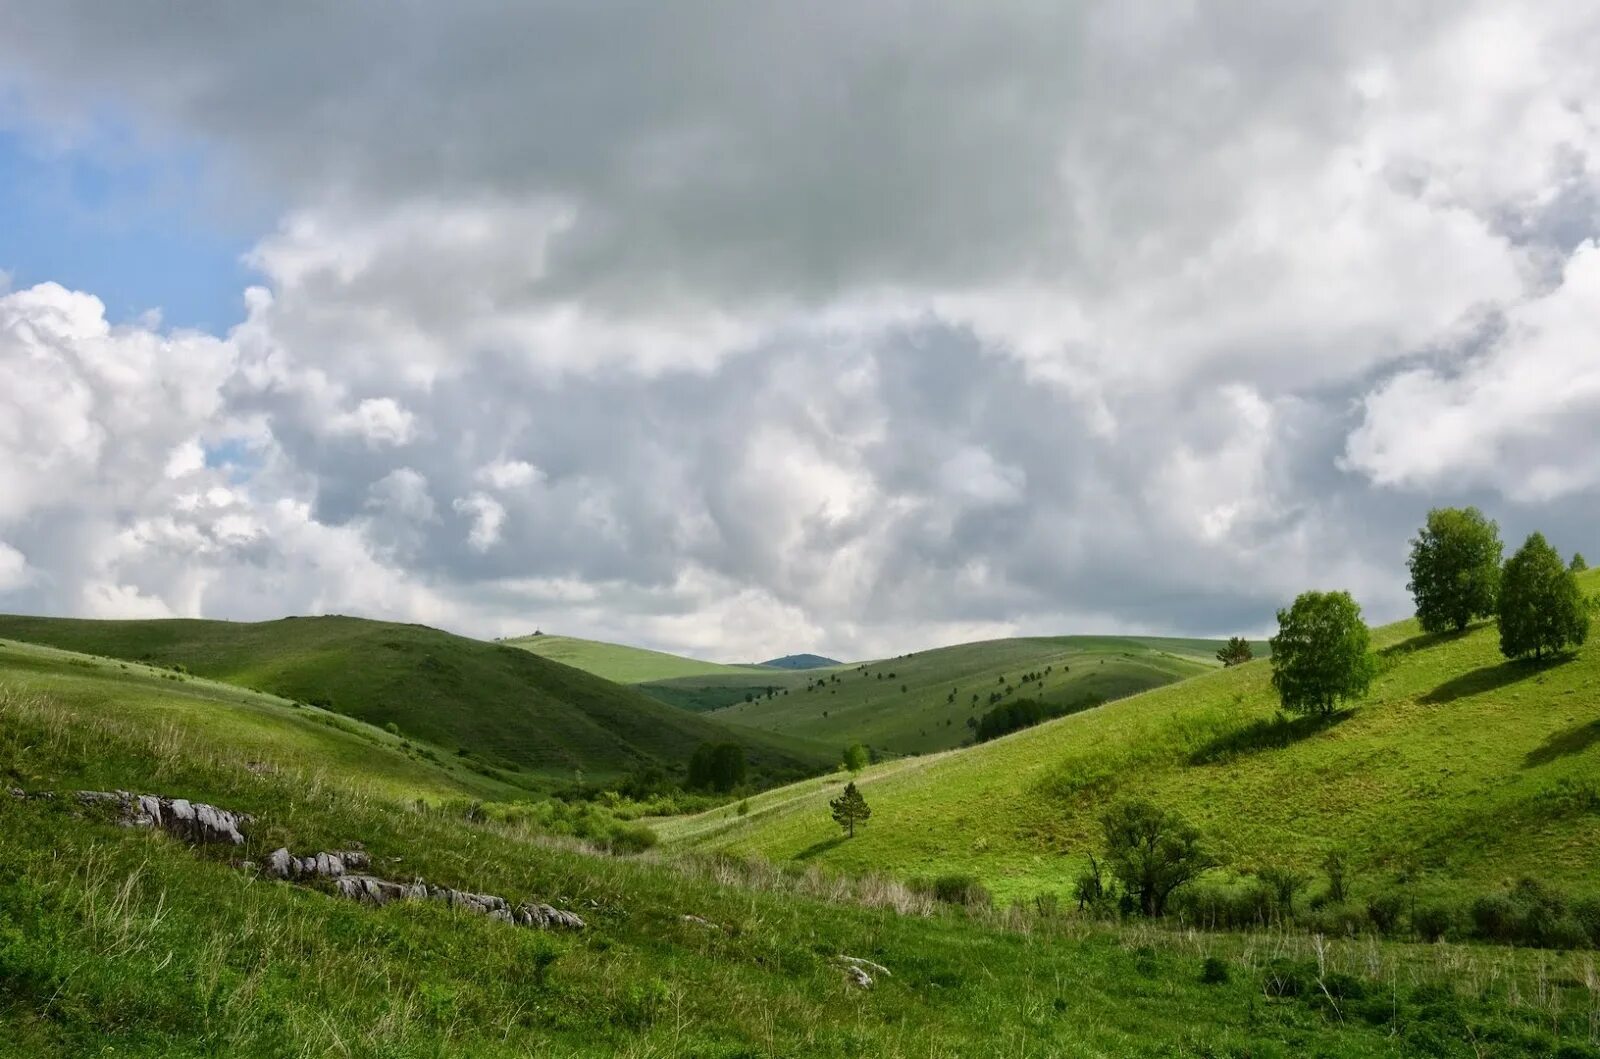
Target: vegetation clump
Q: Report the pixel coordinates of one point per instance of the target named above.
(1235, 652)
(1455, 568)
(850, 809)
(1321, 655)
(1542, 610)
(1152, 852)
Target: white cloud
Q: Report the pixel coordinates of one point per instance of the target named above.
(378, 421)
(509, 474)
(488, 517)
(1521, 417)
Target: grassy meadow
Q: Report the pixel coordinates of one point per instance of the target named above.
(622, 664)
(125, 942)
(921, 702)
(1459, 772)
(536, 721)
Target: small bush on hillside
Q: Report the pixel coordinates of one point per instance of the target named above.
(1152, 852)
(960, 889)
(1214, 971)
(1384, 911)
(1436, 921)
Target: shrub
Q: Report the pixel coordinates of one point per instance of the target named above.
(630, 838)
(1214, 971)
(960, 889)
(1433, 922)
(1384, 912)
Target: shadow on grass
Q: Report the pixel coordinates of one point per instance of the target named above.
(1421, 641)
(1487, 678)
(1273, 734)
(1574, 740)
(818, 848)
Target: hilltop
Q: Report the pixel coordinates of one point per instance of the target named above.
(509, 708)
(922, 702)
(801, 661)
(620, 663)
(1459, 769)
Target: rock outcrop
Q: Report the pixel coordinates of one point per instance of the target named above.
(376, 891)
(281, 864)
(190, 821)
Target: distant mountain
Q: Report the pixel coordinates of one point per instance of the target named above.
(801, 662)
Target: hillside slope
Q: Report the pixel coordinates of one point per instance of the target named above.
(921, 702)
(1458, 769)
(125, 941)
(509, 707)
(619, 662)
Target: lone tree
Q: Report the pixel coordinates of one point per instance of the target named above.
(1320, 656)
(856, 758)
(1152, 852)
(1541, 606)
(1578, 564)
(1455, 568)
(1237, 652)
(850, 809)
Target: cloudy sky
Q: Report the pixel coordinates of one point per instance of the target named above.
(747, 328)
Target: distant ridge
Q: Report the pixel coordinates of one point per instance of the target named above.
(801, 662)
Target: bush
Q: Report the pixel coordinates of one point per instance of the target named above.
(960, 890)
(1336, 920)
(1384, 912)
(1434, 922)
(1214, 971)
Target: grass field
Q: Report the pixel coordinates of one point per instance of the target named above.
(514, 710)
(620, 663)
(123, 942)
(921, 702)
(1459, 770)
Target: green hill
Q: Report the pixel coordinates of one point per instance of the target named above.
(619, 662)
(922, 702)
(1459, 770)
(510, 708)
(124, 941)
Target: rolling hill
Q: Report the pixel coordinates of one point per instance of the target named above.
(618, 662)
(801, 661)
(508, 707)
(921, 702)
(1459, 770)
(127, 941)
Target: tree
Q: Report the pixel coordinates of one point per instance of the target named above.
(1541, 606)
(1320, 656)
(856, 758)
(850, 809)
(719, 767)
(1578, 564)
(1455, 568)
(1152, 852)
(1237, 652)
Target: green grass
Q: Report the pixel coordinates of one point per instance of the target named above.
(621, 663)
(123, 942)
(865, 703)
(512, 709)
(1458, 769)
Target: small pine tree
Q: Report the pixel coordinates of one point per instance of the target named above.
(1237, 652)
(1541, 606)
(850, 809)
(1578, 564)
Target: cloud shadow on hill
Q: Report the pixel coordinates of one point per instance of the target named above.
(1484, 679)
(1273, 733)
(1574, 740)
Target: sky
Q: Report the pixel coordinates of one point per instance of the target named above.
(743, 329)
